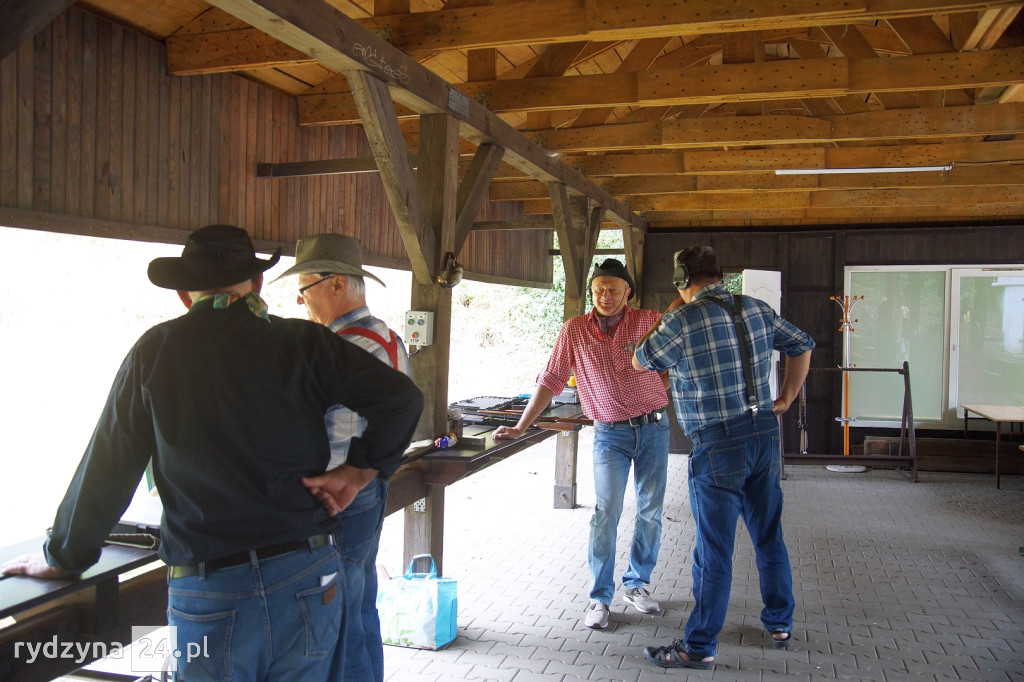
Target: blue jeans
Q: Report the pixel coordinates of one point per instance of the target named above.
(617, 447)
(734, 470)
(360, 655)
(270, 619)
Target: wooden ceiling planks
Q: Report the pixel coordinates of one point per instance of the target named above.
(777, 78)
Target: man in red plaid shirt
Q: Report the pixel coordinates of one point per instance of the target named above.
(630, 431)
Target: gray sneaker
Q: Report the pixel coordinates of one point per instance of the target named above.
(596, 615)
(641, 598)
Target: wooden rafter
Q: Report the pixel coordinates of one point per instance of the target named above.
(341, 44)
(633, 241)
(638, 186)
(22, 19)
(473, 190)
(437, 178)
(907, 124)
(388, 145)
(550, 21)
(752, 160)
(568, 242)
(772, 81)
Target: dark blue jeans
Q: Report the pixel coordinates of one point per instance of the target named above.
(360, 653)
(734, 471)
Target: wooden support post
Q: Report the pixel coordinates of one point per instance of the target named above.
(633, 241)
(429, 364)
(577, 241)
(437, 185)
(566, 451)
(424, 528)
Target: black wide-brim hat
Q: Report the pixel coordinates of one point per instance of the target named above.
(214, 256)
(613, 268)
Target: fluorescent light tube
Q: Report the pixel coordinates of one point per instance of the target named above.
(830, 171)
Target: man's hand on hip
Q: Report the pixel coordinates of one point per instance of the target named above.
(336, 488)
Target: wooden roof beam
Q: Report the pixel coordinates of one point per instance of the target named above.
(710, 163)
(227, 51)
(853, 45)
(846, 215)
(923, 36)
(753, 160)
(472, 195)
(780, 80)
(23, 19)
(551, 21)
(632, 188)
(991, 25)
(746, 131)
(340, 43)
(854, 198)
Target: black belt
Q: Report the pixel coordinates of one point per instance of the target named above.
(648, 418)
(310, 543)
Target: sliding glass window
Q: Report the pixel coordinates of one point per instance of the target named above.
(902, 318)
(987, 344)
(960, 329)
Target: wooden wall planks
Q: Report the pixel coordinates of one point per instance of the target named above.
(91, 126)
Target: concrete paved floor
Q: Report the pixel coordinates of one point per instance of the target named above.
(893, 581)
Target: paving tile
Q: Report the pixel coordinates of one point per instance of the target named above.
(489, 674)
(734, 675)
(574, 669)
(523, 664)
(448, 669)
(532, 676)
(412, 676)
(893, 582)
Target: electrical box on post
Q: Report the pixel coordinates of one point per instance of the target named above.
(419, 328)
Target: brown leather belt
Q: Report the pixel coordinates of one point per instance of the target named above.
(310, 543)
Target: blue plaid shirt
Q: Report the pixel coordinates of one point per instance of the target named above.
(697, 344)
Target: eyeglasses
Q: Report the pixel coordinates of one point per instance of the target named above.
(302, 290)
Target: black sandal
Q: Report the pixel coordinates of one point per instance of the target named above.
(784, 642)
(676, 656)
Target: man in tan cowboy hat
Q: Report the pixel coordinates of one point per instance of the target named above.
(332, 287)
(229, 403)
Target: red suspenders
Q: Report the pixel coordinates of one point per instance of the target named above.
(391, 348)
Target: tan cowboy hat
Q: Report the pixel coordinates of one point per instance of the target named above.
(334, 254)
(214, 256)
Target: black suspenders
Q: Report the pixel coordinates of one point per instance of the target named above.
(736, 312)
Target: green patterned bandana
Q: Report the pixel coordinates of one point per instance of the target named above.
(257, 306)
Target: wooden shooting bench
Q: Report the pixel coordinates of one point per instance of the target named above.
(101, 605)
(118, 592)
(418, 486)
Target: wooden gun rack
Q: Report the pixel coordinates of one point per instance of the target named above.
(906, 458)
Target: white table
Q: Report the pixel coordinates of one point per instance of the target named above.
(998, 414)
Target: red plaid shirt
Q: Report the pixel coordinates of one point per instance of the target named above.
(610, 389)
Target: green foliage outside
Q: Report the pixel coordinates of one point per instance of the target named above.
(544, 308)
(502, 335)
(733, 282)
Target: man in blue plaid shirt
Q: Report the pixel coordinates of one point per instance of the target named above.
(727, 410)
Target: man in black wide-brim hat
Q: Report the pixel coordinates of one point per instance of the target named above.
(630, 434)
(229, 403)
